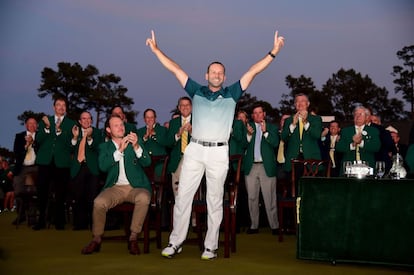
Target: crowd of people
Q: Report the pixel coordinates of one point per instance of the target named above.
(71, 162)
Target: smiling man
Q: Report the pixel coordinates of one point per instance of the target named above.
(208, 152)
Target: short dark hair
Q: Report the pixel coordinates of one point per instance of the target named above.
(148, 110)
(183, 98)
(302, 94)
(109, 118)
(258, 105)
(335, 121)
(60, 98)
(218, 63)
(116, 106)
(29, 117)
(86, 111)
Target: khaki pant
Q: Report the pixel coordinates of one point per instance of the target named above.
(117, 194)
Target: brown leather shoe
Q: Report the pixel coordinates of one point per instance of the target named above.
(133, 247)
(93, 246)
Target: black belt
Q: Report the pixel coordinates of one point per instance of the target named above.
(257, 162)
(208, 143)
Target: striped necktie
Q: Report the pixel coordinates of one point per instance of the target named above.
(184, 137)
(332, 151)
(358, 155)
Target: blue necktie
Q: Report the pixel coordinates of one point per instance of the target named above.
(258, 139)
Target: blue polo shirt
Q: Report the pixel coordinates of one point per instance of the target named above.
(213, 112)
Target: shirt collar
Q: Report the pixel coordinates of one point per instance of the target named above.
(61, 118)
(30, 134)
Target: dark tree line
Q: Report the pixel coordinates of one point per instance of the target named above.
(86, 89)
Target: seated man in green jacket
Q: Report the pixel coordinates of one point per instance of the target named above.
(123, 158)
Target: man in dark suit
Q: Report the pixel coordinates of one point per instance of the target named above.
(301, 133)
(400, 148)
(122, 158)
(84, 170)
(53, 158)
(359, 142)
(25, 169)
(387, 145)
(330, 137)
(260, 169)
(178, 137)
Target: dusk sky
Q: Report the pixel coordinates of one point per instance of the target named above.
(321, 37)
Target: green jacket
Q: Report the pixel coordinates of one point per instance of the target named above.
(156, 145)
(267, 150)
(133, 165)
(372, 144)
(310, 140)
(238, 140)
(175, 145)
(409, 159)
(51, 146)
(91, 153)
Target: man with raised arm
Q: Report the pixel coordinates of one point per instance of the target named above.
(207, 152)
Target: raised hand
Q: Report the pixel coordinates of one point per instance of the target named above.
(123, 144)
(295, 118)
(133, 139)
(89, 132)
(151, 42)
(29, 140)
(46, 121)
(75, 131)
(278, 43)
(250, 129)
(263, 126)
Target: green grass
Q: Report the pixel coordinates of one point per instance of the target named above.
(24, 251)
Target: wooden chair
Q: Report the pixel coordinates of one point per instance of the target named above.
(287, 200)
(153, 218)
(229, 208)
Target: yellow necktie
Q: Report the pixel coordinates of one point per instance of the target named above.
(280, 152)
(331, 152)
(358, 155)
(81, 149)
(300, 128)
(184, 138)
(29, 153)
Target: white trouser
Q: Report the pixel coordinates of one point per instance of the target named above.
(175, 177)
(197, 160)
(257, 180)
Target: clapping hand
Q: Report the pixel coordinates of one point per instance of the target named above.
(75, 131)
(46, 121)
(250, 129)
